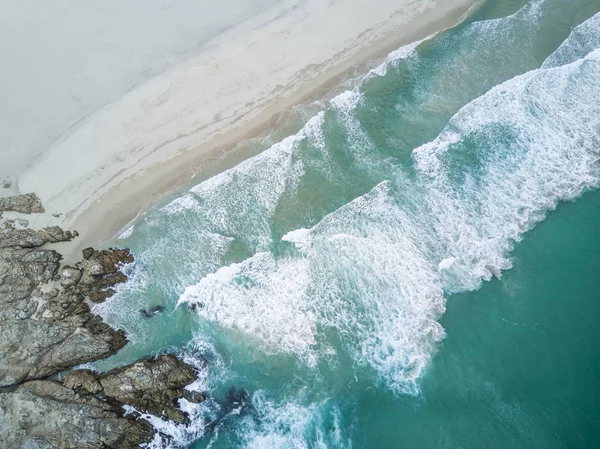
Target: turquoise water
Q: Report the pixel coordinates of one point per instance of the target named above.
(413, 266)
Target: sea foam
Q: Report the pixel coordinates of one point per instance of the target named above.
(377, 269)
(583, 39)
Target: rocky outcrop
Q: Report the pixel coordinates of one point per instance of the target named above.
(86, 409)
(151, 385)
(46, 327)
(29, 238)
(25, 204)
(44, 414)
(100, 272)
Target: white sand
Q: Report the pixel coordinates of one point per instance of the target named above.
(62, 60)
(126, 155)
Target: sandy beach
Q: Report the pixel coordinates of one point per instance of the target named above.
(132, 152)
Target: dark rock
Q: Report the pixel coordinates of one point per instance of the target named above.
(101, 271)
(236, 397)
(25, 204)
(152, 311)
(87, 253)
(193, 396)
(194, 306)
(151, 385)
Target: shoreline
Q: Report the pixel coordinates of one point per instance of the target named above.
(131, 164)
(49, 330)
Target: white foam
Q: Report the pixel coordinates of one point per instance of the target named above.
(376, 270)
(170, 435)
(583, 39)
(396, 56)
(292, 425)
(240, 202)
(358, 146)
(260, 297)
(299, 237)
(126, 233)
(540, 148)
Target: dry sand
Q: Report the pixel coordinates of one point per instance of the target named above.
(129, 154)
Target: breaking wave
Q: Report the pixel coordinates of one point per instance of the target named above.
(376, 270)
(338, 242)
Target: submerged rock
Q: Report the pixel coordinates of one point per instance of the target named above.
(152, 311)
(25, 204)
(237, 398)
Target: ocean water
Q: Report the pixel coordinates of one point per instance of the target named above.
(410, 262)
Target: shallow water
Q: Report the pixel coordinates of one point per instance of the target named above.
(341, 275)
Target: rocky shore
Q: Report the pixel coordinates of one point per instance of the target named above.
(47, 327)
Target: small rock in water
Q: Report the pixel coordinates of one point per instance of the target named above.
(236, 397)
(152, 311)
(195, 306)
(193, 396)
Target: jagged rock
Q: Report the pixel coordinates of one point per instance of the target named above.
(25, 204)
(70, 276)
(45, 330)
(101, 271)
(193, 396)
(44, 414)
(87, 253)
(43, 336)
(82, 379)
(152, 385)
(47, 327)
(30, 238)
